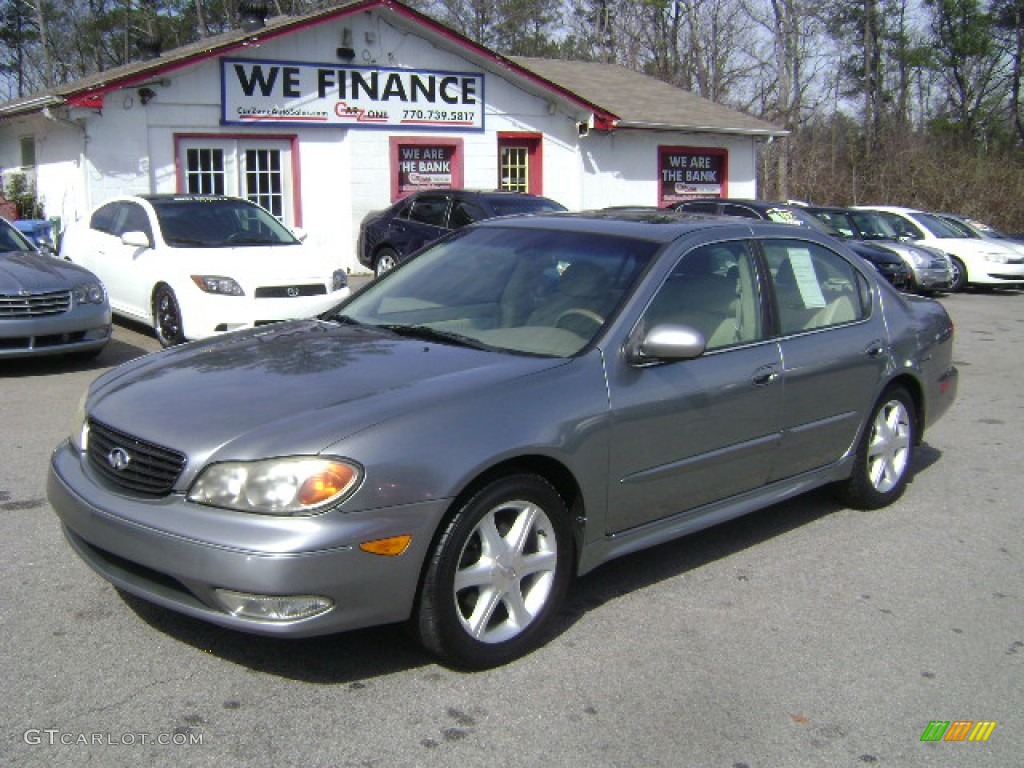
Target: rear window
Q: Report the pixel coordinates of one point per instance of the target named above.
(514, 205)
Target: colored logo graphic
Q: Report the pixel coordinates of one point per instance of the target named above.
(958, 730)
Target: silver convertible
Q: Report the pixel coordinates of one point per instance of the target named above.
(517, 404)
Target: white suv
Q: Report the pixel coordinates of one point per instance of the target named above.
(975, 261)
(197, 265)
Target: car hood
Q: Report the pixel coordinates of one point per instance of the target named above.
(33, 272)
(873, 252)
(291, 388)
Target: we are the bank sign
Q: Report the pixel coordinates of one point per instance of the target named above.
(268, 92)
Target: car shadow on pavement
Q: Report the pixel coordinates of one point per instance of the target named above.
(352, 657)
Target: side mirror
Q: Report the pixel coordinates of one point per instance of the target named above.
(136, 239)
(665, 343)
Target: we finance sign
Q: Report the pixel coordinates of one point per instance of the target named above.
(269, 92)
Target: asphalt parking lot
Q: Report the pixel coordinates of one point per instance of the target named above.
(803, 635)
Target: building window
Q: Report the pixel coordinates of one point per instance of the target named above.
(519, 162)
(204, 171)
(264, 179)
(261, 169)
(515, 169)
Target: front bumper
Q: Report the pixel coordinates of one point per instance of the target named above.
(205, 315)
(84, 328)
(176, 554)
(929, 279)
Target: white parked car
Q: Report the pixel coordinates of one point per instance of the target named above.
(975, 261)
(194, 266)
(974, 228)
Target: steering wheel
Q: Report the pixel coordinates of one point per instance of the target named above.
(579, 312)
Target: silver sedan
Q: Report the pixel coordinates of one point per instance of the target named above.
(518, 404)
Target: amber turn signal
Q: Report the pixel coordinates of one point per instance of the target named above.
(389, 547)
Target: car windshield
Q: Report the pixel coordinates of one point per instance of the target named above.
(530, 291)
(214, 222)
(12, 240)
(939, 227)
(507, 206)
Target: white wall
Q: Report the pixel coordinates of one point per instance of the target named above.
(344, 173)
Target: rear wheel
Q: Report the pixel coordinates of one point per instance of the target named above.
(497, 575)
(387, 259)
(882, 465)
(167, 317)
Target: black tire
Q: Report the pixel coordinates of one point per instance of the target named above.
(959, 281)
(497, 574)
(387, 259)
(884, 454)
(167, 317)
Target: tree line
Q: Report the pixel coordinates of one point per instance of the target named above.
(914, 102)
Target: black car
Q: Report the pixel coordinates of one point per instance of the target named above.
(886, 261)
(386, 237)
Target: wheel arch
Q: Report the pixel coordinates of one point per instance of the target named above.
(551, 470)
(912, 386)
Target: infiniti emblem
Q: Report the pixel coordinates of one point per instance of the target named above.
(119, 459)
(293, 291)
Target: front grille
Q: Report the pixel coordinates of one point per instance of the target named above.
(149, 469)
(18, 307)
(290, 291)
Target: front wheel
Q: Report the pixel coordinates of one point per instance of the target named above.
(959, 281)
(167, 317)
(882, 464)
(497, 574)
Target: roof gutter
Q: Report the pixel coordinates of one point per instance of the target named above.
(756, 132)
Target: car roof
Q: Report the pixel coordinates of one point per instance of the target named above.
(656, 225)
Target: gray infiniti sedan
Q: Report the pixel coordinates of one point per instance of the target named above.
(48, 306)
(518, 404)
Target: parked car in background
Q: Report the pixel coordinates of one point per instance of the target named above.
(931, 269)
(516, 404)
(970, 227)
(386, 237)
(39, 232)
(886, 261)
(47, 306)
(196, 265)
(975, 261)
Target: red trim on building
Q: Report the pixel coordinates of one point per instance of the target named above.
(534, 143)
(456, 159)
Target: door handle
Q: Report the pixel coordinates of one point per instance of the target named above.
(875, 349)
(764, 376)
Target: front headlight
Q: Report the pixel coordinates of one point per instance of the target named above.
(997, 258)
(89, 293)
(339, 280)
(224, 286)
(80, 427)
(293, 485)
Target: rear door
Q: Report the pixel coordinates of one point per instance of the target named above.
(834, 351)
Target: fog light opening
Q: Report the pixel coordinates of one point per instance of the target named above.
(272, 607)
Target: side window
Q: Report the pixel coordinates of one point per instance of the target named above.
(700, 207)
(464, 212)
(714, 290)
(904, 228)
(103, 218)
(739, 210)
(814, 287)
(134, 219)
(429, 210)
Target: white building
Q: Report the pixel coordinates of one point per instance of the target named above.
(324, 117)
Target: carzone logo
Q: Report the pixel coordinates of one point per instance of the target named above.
(958, 730)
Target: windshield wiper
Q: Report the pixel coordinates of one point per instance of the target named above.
(433, 334)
